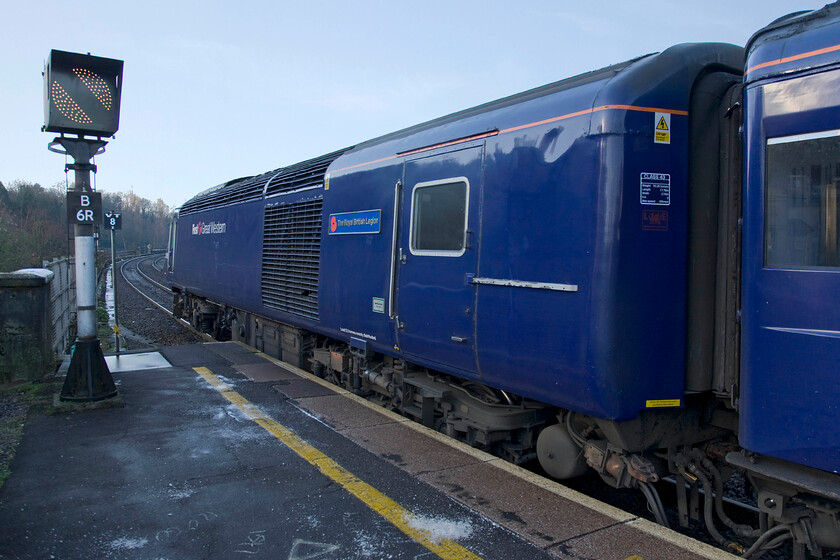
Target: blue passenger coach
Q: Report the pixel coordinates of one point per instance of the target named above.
(634, 270)
(540, 243)
(791, 309)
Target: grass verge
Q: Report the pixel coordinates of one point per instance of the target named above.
(15, 403)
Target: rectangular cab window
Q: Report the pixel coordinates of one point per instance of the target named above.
(439, 217)
(802, 212)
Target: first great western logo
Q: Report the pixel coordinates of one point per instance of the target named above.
(207, 228)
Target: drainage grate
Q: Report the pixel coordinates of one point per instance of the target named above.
(291, 257)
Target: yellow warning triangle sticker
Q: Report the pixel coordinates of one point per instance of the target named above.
(662, 125)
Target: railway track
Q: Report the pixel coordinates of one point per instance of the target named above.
(159, 263)
(142, 293)
(144, 284)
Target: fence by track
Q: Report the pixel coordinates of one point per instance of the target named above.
(46, 328)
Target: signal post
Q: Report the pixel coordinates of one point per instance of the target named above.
(82, 97)
(113, 222)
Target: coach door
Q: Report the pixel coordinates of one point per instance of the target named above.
(170, 245)
(436, 251)
(791, 306)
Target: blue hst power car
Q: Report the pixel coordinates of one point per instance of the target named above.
(635, 270)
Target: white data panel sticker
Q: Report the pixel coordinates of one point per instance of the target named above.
(655, 189)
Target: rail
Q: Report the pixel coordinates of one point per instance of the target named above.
(134, 285)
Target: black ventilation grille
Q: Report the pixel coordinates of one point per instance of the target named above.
(291, 257)
(302, 175)
(238, 190)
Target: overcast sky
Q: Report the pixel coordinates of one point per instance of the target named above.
(218, 90)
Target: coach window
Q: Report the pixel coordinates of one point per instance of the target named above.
(439, 217)
(802, 210)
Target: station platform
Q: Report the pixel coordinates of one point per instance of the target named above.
(220, 451)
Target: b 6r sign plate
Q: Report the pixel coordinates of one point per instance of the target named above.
(84, 207)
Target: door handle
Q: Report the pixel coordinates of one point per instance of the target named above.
(458, 339)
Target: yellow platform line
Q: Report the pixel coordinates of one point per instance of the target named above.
(397, 515)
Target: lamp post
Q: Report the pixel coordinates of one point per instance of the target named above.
(82, 97)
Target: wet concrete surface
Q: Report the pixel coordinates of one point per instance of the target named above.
(180, 472)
